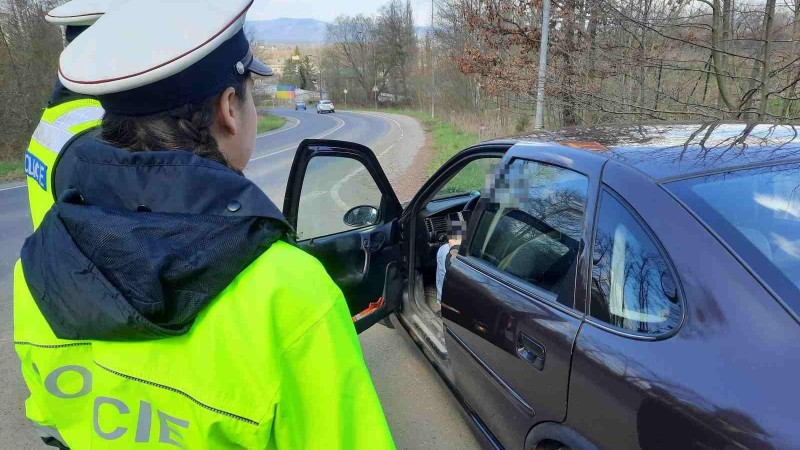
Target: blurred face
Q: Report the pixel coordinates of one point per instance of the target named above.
(235, 125)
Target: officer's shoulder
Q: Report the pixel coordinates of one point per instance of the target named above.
(292, 259)
(295, 272)
(289, 262)
(296, 289)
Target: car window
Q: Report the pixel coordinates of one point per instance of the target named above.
(757, 212)
(532, 225)
(332, 186)
(471, 178)
(633, 288)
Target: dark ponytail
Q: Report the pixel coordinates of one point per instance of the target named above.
(186, 127)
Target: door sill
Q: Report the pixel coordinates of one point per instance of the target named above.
(429, 336)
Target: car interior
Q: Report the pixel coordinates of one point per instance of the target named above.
(506, 238)
(431, 232)
(459, 193)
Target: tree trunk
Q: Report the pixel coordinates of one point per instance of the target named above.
(720, 69)
(568, 106)
(658, 83)
(727, 23)
(643, 58)
(769, 16)
(787, 105)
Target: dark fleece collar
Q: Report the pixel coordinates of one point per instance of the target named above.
(140, 243)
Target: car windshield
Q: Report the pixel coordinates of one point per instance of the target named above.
(325, 102)
(757, 212)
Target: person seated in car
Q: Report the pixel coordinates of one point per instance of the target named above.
(455, 226)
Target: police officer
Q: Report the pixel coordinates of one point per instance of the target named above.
(160, 303)
(67, 112)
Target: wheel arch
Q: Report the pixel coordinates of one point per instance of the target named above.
(551, 431)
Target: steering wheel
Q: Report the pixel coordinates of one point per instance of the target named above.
(471, 203)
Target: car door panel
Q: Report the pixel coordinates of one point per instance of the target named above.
(493, 343)
(510, 341)
(357, 260)
(361, 261)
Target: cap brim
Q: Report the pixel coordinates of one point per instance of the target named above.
(259, 68)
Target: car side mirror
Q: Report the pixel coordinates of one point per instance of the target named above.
(361, 216)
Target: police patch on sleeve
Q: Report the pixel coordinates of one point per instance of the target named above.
(36, 169)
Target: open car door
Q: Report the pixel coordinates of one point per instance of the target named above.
(345, 213)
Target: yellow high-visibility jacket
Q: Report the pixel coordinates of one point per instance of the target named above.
(58, 125)
(184, 324)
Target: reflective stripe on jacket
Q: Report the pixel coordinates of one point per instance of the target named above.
(57, 126)
(273, 362)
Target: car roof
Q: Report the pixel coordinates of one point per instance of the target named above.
(680, 150)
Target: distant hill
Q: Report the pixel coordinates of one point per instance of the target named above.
(296, 31)
(287, 31)
(422, 31)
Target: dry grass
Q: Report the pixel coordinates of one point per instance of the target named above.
(11, 171)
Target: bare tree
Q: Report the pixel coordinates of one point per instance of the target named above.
(396, 41)
(351, 42)
(618, 60)
(29, 49)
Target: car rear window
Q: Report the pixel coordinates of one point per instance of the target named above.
(325, 102)
(756, 211)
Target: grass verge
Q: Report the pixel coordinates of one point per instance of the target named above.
(270, 122)
(11, 171)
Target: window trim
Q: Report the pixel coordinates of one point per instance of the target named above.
(518, 284)
(661, 250)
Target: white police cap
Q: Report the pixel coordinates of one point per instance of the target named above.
(80, 12)
(149, 56)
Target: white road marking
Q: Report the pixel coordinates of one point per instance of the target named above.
(312, 196)
(338, 186)
(13, 187)
(327, 133)
(400, 127)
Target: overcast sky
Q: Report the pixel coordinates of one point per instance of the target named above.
(327, 10)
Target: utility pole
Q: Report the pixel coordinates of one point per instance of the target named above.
(433, 68)
(538, 122)
(319, 67)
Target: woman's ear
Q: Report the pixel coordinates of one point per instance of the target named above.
(227, 116)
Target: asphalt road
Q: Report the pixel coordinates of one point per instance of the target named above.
(421, 412)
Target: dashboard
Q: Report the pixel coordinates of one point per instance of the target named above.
(431, 231)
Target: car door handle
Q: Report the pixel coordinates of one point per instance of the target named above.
(366, 247)
(530, 350)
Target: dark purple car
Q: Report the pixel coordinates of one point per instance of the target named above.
(620, 287)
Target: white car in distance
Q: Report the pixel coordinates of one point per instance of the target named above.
(325, 106)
